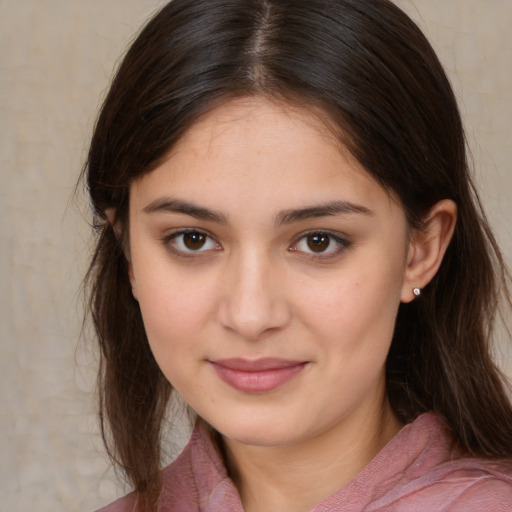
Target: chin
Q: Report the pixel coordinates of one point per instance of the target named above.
(263, 438)
(275, 431)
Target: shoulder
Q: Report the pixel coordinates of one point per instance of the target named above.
(195, 477)
(482, 490)
(178, 489)
(462, 485)
(126, 504)
(421, 469)
(469, 485)
(177, 485)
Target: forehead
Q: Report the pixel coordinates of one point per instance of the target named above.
(262, 120)
(254, 146)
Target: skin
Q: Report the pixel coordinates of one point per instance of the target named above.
(251, 284)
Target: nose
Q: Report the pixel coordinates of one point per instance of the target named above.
(254, 300)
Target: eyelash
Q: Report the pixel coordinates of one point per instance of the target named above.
(341, 244)
(169, 242)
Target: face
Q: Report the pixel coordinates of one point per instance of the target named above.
(269, 267)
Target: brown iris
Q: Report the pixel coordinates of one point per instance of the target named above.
(318, 242)
(194, 240)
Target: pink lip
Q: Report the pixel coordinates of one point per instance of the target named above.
(256, 376)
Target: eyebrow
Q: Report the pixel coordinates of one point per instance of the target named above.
(329, 209)
(186, 208)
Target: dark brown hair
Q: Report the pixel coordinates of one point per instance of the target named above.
(372, 73)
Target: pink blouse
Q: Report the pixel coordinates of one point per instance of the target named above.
(418, 470)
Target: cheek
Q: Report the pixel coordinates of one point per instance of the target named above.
(172, 323)
(359, 300)
(172, 309)
(168, 302)
(353, 326)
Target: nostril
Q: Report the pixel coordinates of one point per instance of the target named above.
(251, 315)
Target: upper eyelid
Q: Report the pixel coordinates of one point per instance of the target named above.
(167, 242)
(342, 242)
(175, 233)
(334, 234)
(339, 237)
(182, 231)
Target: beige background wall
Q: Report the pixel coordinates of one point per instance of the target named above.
(56, 58)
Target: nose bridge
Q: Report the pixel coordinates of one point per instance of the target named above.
(254, 300)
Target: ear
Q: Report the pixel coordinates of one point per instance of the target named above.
(428, 246)
(110, 213)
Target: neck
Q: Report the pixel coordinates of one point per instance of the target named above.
(280, 478)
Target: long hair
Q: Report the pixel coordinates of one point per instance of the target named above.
(380, 87)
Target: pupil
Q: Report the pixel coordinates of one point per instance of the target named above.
(194, 241)
(318, 243)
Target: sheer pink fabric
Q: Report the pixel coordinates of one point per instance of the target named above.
(418, 470)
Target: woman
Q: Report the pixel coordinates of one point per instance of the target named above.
(290, 239)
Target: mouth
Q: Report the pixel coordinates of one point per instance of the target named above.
(258, 376)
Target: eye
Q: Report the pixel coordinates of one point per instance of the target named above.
(190, 241)
(320, 243)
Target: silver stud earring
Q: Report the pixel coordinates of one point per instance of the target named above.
(417, 292)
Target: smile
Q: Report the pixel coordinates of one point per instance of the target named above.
(257, 376)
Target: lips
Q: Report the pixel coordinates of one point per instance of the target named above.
(258, 376)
